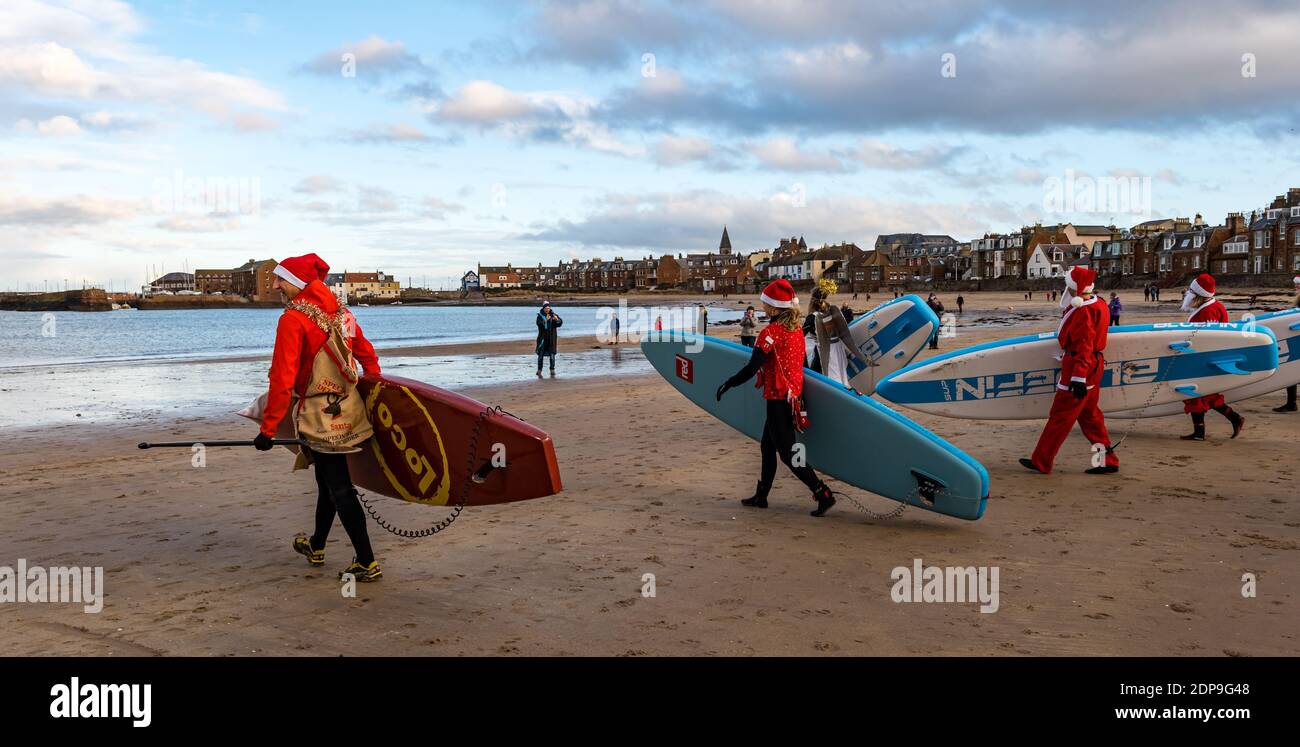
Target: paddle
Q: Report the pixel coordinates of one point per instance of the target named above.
(189, 444)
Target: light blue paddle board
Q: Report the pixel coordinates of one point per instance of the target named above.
(1146, 365)
(852, 438)
(889, 336)
(1286, 327)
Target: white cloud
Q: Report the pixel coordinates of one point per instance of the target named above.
(880, 155)
(540, 116)
(213, 223)
(437, 208)
(318, 184)
(485, 102)
(690, 221)
(84, 49)
(671, 150)
(57, 126)
(27, 210)
(784, 154)
(373, 55)
(389, 133)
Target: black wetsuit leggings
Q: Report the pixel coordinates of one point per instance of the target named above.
(778, 439)
(336, 495)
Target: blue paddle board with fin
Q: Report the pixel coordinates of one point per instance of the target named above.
(852, 438)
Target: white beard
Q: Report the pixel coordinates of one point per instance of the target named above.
(1189, 299)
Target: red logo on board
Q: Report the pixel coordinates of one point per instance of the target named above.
(685, 369)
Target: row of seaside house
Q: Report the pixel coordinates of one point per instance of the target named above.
(1265, 242)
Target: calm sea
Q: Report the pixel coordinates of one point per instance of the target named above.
(37, 339)
(65, 368)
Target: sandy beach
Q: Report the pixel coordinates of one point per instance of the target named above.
(197, 560)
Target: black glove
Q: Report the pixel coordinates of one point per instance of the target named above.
(723, 390)
(263, 442)
(1078, 389)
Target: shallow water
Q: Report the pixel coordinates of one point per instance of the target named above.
(120, 392)
(41, 339)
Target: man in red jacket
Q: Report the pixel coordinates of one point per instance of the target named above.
(1082, 336)
(298, 338)
(1204, 307)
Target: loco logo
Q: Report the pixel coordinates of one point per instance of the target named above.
(407, 445)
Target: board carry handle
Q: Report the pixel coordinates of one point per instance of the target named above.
(1182, 347)
(1188, 389)
(1295, 327)
(927, 487)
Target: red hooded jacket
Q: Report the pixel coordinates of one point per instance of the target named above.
(1082, 336)
(297, 340)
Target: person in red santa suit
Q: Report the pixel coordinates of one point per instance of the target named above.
(298, 338)
(1082, 336)
(778, 360)
(1204, 307)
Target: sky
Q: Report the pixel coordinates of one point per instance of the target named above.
(423, 138)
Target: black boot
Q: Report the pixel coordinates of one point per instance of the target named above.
(1198, 428)
(824, 500)
(1234, 417)
(759, 498)
(1290, 405)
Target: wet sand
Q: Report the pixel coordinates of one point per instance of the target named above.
(197, 560)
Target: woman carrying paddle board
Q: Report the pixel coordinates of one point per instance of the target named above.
(1082, 336)
(825, 329)
(313, 370)
(1290, 405)
(778, 360)
(1204, 307)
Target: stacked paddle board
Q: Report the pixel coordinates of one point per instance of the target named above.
(852, 438)
(1146, 365)
(889, 336)
(1285, 325)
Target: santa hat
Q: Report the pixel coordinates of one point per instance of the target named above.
(1203, 285)
(302, 270)
(1080, 280)
(1296, 279)
(779, 294)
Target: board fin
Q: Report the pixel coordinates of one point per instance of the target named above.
(1230, 365)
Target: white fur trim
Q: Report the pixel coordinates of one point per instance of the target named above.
(1076, 301)
(1296, 279)
(289, 276)
(778, 304)
(1198, 290)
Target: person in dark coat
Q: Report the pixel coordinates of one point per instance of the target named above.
(937, 307)
(547, 323)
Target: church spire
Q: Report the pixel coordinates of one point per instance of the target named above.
(724, 246)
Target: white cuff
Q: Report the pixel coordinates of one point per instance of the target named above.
(1079, 378)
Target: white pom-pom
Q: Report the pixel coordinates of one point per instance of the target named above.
(1076, 302)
